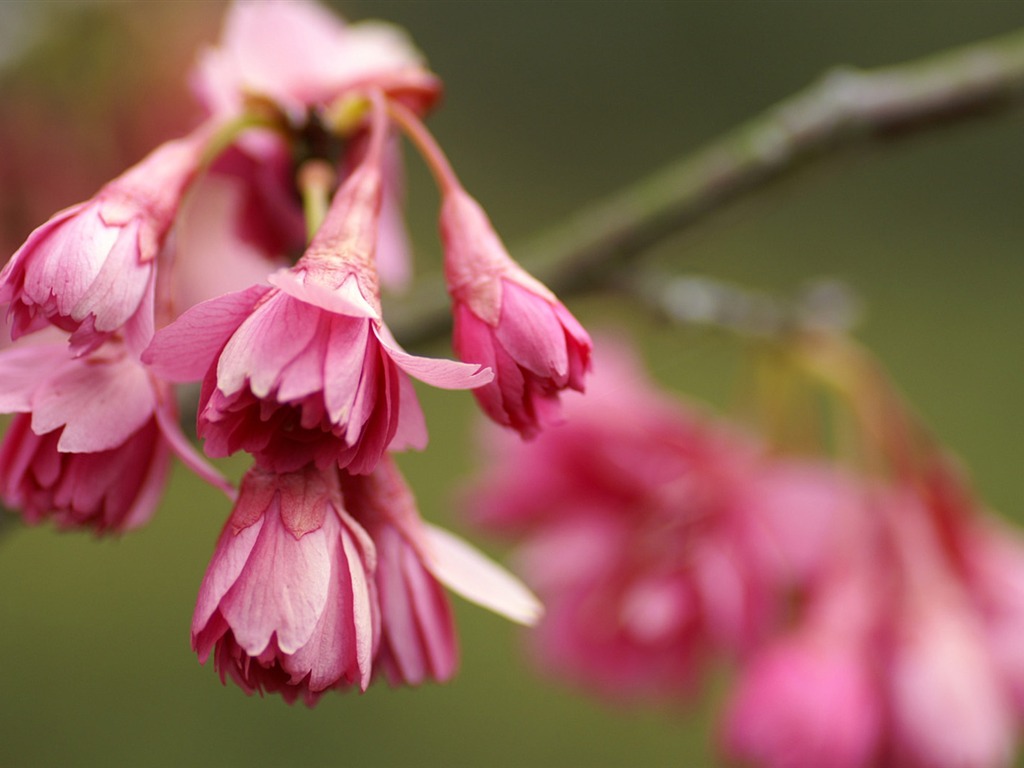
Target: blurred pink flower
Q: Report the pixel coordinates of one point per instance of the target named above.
(90, 269)
(306, 371)
(654, 535)
(813, 696)
(287, 604)
(298, 55)
(508, 321)
(995, 579)
(806, 702)
(949, 704)
(91, 444)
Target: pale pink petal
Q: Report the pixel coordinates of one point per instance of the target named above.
(345, 299)
(118, 288)
(343, 366)
(445, 374)
(233, 550)
(99, 405)
(362, 609)
(264, 344)
(23, 368)
(185, 349)
(282, 590)
(471, 574)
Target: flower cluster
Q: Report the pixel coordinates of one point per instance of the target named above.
(193, 266)
(872, 623)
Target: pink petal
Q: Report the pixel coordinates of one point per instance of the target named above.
(281, 590)
(345, 299)
(412, 426)
(65, 263)
(99, 405)
(118, 289)
(185, 349)
(343, 366)
(233, 550)
(445, 374)
(264, 344)
(530, 332)
(23, 368)
(362, 610)
(471, 574)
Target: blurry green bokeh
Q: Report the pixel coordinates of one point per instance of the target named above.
(549, 105)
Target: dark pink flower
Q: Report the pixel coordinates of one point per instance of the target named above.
(288, 603)
(90, 269)
(91, 442)
(306, 371)
(508, 321)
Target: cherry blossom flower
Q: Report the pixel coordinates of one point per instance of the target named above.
(306, 371)
(90, 269)
(287, 604)
(508, 321)
(92, 439)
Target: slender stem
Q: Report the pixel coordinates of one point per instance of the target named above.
(427, 145)
(843, 109)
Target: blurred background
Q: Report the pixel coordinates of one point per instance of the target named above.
(547, 106)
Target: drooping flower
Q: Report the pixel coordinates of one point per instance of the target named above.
(508, 321)
(90, 269)
(417, 632)
(288, 603)
(813, 695)
(950, 706)
(804, 703)
(306, 371)
(655, 536)
(90, 445)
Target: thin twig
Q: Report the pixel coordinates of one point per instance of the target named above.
(843, 109)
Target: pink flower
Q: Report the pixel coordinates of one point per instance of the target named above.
(639, 536)
(298, 55)
(90, 269)
(288, 603)
(813, 696)
(805, 702)
(91, 442)
(306, 371)
(300, 598)
(506, 320)
(417, 634)
(949, 704)
(995, 578)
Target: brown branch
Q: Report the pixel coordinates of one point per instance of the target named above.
(845, 108)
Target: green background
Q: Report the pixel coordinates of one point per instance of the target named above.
(550, 105)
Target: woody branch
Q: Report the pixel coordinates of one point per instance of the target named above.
(844, 109)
